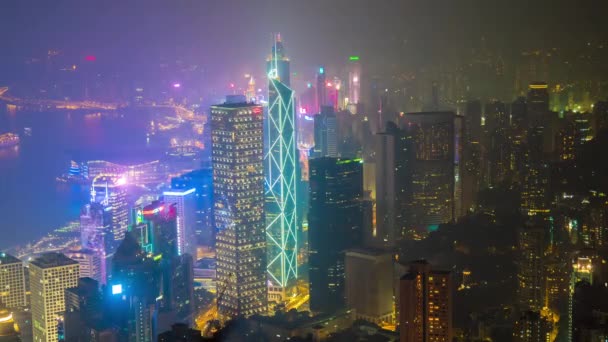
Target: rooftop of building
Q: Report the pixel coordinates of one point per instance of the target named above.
(235, 105)
(422, 266)
(53, 259)
(8, 259)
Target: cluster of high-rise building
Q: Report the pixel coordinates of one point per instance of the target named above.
(310, 202)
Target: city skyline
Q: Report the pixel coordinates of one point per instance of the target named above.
(394, 170)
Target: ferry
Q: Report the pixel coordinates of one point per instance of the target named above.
(9, 140)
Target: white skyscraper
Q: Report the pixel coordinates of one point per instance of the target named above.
(186, 219)
(111, 192)
(50, 275)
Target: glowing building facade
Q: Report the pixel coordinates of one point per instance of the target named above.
(12, 282)
(111, 192)
(96, 234)
(50, 275)
(280, 161)
(436, 189)
(184, 201)
(137, 174)
(354, 83)
(238, 190)
(530, 275)
(425, 308)
(202, 181)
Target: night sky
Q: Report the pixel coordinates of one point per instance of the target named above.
(235, 34)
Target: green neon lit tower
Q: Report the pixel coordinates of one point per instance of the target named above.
(280, 160)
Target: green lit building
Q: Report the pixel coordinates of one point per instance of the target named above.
(280, 161)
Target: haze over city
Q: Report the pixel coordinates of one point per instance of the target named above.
(338, 170)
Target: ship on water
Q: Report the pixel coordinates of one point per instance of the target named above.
(9, 140)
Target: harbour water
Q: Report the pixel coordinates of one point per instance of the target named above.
(32, 203)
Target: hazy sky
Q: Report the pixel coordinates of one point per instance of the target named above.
(236, 33)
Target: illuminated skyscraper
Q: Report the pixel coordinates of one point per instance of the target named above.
(425, 308)
(238, 189)
(354, 83)
(535, 197)
(161, 219)
(280, 161)
(250, 92)
(392, 184)
(435, 168)
(277, 64)
(12, 282)
(530, 275)
(50, 275)
(321, 98)
(96, 234)
(202, 181)
(538, 103)
(531, 327)
(111, 192)
(184, 201)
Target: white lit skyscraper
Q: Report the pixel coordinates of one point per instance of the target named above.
(96, 234)
(280, 161)
(50, 275)
(184, 201)
(111, 192)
